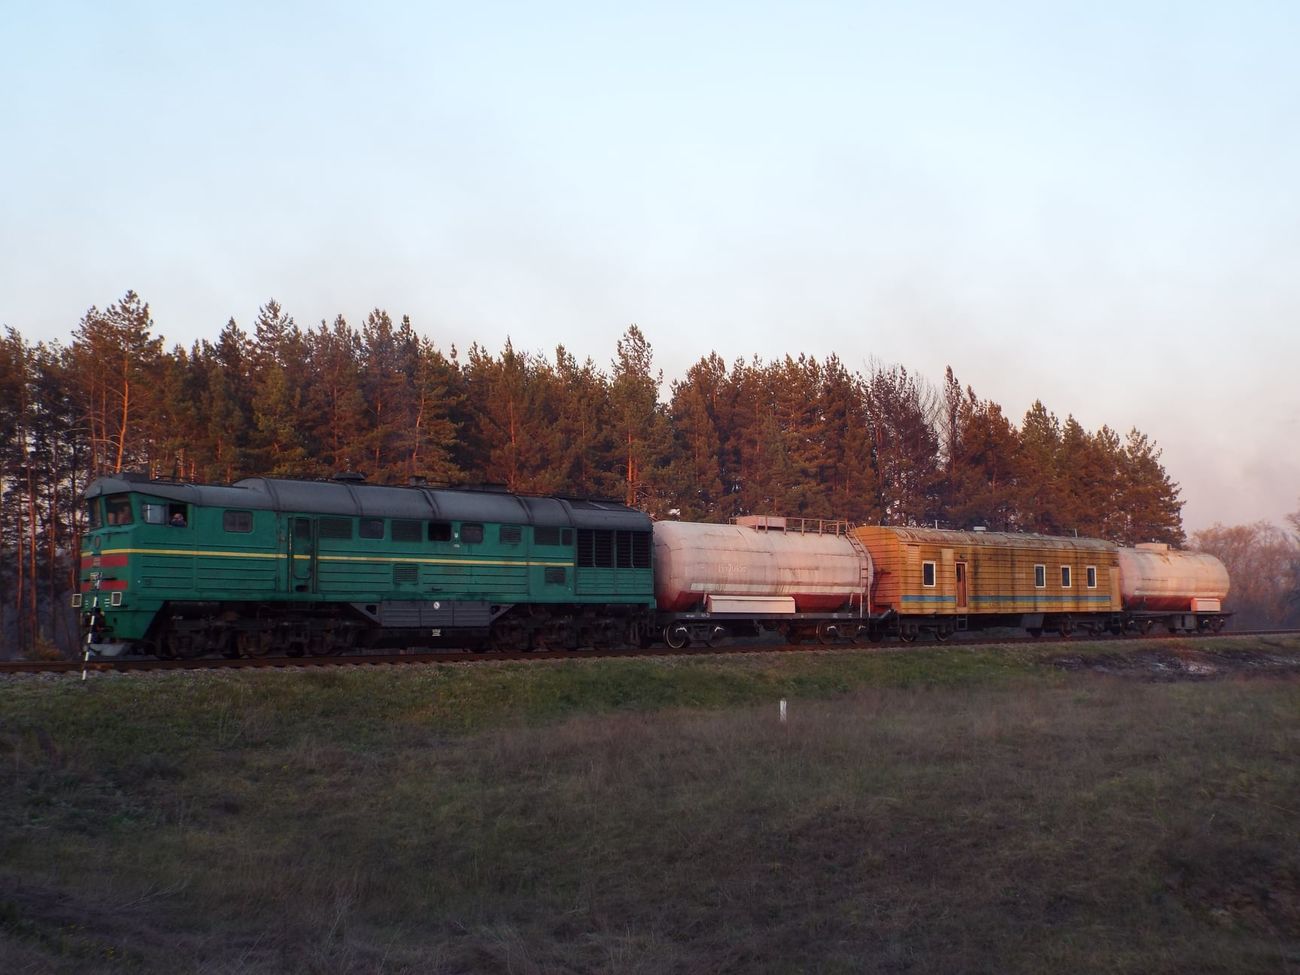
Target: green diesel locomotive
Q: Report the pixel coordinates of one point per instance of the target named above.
(322, 567)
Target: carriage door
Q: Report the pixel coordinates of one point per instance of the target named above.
(302, 555)
(961, 587)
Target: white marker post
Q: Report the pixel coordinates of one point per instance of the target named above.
(783, 710)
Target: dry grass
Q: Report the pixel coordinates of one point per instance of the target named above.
(1021, 820)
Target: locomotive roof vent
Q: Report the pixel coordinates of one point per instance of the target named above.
(351, 477)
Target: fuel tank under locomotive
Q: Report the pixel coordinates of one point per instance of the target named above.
(697, 566)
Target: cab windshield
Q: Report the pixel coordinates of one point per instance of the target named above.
(94, 519)
(117, 509)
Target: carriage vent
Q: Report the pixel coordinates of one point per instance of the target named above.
(405, 574)
(556, 577)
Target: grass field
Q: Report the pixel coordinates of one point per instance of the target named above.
(1024, 809)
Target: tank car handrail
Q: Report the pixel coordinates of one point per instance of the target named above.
(804, 526)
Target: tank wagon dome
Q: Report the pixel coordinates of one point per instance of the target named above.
(1154, 576)
(820, 570)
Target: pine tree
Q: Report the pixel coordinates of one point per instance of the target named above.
(278, 444)
(1149, 497)
(902, 418)
(696, 469)
(1037, 464)
(115, 364)
(580, 440)
(641, 423)
(342, 426)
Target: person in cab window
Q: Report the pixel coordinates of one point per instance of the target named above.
(178, 520)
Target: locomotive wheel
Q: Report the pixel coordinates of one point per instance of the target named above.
(907, 636)
(942, 634)
(676, 636)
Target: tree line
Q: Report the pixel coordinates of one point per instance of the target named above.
(796, 436)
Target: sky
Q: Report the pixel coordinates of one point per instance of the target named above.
(1096, 204)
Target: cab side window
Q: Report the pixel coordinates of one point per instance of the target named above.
(117, 510)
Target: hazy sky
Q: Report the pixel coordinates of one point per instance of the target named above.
(1093, 204)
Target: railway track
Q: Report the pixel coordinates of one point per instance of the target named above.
(133, 665)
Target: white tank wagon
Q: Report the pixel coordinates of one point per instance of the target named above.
(802, 577)
(1181, 590)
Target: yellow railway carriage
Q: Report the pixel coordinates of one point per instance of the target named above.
(929, 580)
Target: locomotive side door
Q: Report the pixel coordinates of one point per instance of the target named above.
(302, 554)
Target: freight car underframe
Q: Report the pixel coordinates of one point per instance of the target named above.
(256, 629)
(911, 626)
(678, 630)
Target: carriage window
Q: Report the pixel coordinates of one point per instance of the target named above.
(1092, 577)
(335, 528)
(153, 513)
(553, 536)
(237, 521)
(440, 531)
(1040, 577)
(927, 574)
(372, 528)
(1065, 577)
(406, 531)
(117, 510)
(471, 533)
(94, 516)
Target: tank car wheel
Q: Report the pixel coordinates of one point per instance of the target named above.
(827, 634)
(676, 636)
(1035, 631)
(1216, 625)
(942, 634)
(907, 636)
